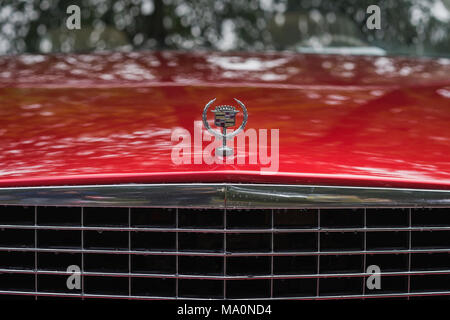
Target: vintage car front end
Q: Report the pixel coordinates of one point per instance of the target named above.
(341, 173)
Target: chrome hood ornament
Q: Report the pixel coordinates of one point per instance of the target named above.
(224, 117)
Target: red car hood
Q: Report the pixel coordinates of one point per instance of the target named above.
(108, 118)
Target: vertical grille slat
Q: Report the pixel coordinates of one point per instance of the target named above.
(364, 256)
(272, 250)
(82, 253)
(225, 252)
(318, 256)
(409, 254)
(129, 256)
(35, 254)
(139, 253)
(176, 258)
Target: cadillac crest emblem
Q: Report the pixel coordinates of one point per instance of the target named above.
(224, 117)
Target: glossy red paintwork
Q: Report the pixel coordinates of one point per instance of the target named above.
(107, 118)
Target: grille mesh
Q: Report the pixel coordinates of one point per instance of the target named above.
(145, 253)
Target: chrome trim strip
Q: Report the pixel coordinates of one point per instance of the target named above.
(223, 254)
(84, 295)
(123, 195)
(359, 296)
(291, 196)
(217, 277)
(228, 231)
(210, 195)
(106, 296)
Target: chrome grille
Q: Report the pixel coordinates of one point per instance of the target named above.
(170, 253)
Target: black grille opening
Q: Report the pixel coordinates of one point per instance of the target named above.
(391, 284)
(340, 286)
(430, 261)
(285, 242)
(58, 216)
(213, 253)
(191, 218)
(152, 287)
(389, 262)
(17, 237)
(210, 242)
(58, 261)
(341, 264)
(54, 283)
(430, 217)
(249, 219)
(286, 288)
(295, 265)
(387, 217)
(250, 266)
(58, 239)
(164, 241)
(259, 242)
(16, 260)
(193, 288)
(105, 217)
(284, 218)
(106, 285)
(246, 289)
(153, 264)
(106, 263)
(430, 283)
(209, 266)
(104, 240)
(387, 240)
(431, 239)
(341, 218)
(147, 217)
(340, 241)
(16, 282)
(17, 215)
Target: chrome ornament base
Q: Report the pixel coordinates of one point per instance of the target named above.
(224, 152)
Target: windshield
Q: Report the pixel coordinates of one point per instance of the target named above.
(400, 27)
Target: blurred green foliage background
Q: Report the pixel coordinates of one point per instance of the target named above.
(409, 27)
